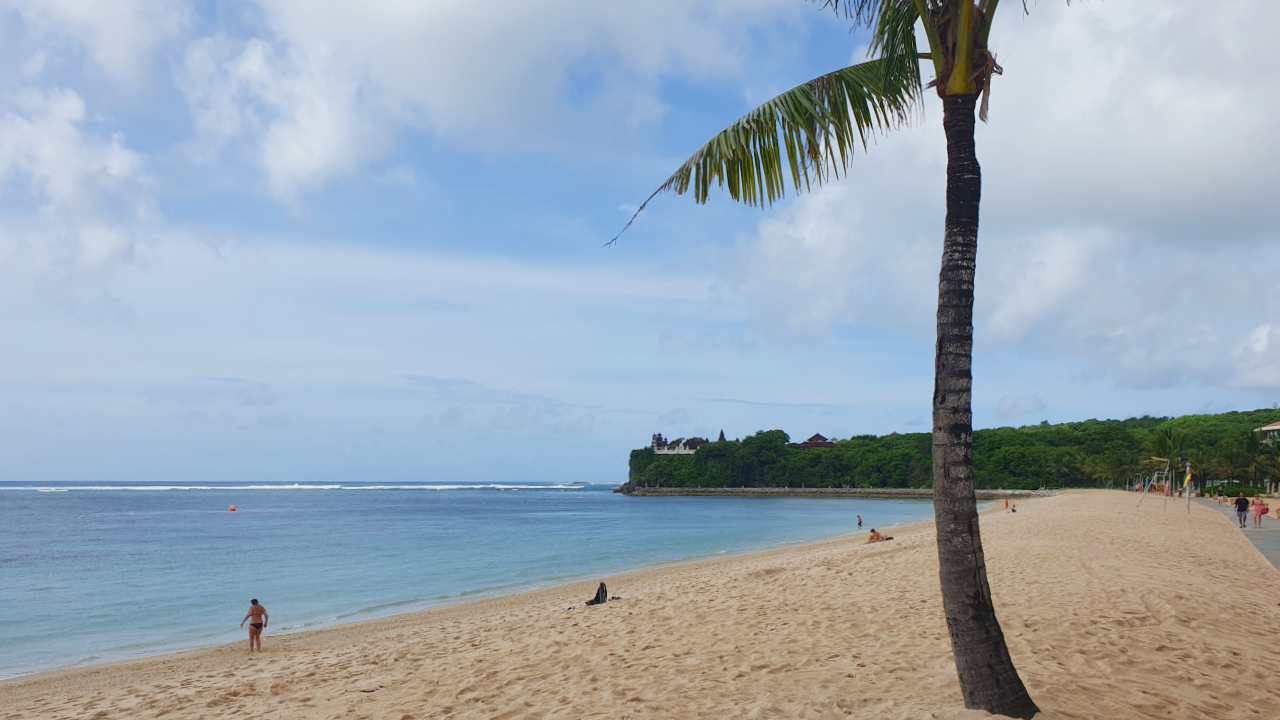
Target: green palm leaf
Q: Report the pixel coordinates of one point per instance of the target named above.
(861, 12)
(806, 135)
(893, 33)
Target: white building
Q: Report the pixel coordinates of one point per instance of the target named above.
(679, 446)
(1269, 433)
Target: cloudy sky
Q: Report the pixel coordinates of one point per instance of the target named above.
(286, 240)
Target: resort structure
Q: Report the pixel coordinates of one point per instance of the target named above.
(817, 440)
(1269, 434)
(679, 446)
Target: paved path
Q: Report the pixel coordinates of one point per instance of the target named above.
(1265, 538)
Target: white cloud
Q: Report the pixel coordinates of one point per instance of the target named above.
(120, 36)
(217, 346)
(819, 264)
(328, 86)
(1126, 204)
(221, 79)
(1099, 116)
(33, 65)
(85, 194)
(255, 307)
(306, 121)
(1039, 276)
(1020, 407)
(1258, 358)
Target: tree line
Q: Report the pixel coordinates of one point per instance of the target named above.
(1222, 448)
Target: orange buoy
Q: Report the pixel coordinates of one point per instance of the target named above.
(231, 508)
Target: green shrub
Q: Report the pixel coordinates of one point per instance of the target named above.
(1233, 489)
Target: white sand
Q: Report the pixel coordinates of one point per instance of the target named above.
(1109, 613)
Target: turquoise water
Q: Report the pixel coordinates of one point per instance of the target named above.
(98, 572)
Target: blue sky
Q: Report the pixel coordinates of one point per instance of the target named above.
(280, 240)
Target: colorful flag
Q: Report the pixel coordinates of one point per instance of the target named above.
(1187, 483)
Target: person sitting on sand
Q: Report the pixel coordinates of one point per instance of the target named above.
(876, 537)
(602, 595)
(258, 615)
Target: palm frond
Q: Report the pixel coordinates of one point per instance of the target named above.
(867, 13)
(861, 12)
(807, 134)
(1026, 9)
(894, 33)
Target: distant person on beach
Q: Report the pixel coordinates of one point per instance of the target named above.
(876, 537)
(859, 521)
(1242, 509)
(257, 619)
(1259, 510)
(602, 595)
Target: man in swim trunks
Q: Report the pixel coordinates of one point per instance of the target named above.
(257, 619)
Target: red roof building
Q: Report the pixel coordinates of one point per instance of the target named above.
(817, 441)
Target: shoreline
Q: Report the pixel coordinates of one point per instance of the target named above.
(416, 609)
(859, 493)
(1101, 618)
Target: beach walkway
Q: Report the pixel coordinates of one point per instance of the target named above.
(1265, 538)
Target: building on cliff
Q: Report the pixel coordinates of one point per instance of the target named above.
(817, 441)
(679, 446)
(1269, 433)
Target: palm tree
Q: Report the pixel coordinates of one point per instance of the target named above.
(1270, 467)
(808, 135)
(1167, 444)
(1261, 460)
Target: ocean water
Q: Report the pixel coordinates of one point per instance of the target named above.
(90, 573)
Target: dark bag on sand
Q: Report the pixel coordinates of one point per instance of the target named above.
(602, 596)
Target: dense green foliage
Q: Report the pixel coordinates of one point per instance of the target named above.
(1106, 453)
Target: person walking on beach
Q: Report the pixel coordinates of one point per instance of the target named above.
(859, 521)
(1260, 509)
(257, 619)
(1242, 509)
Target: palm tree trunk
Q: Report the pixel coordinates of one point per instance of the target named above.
(988, 679)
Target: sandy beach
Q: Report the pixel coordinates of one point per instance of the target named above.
(1110, 612)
